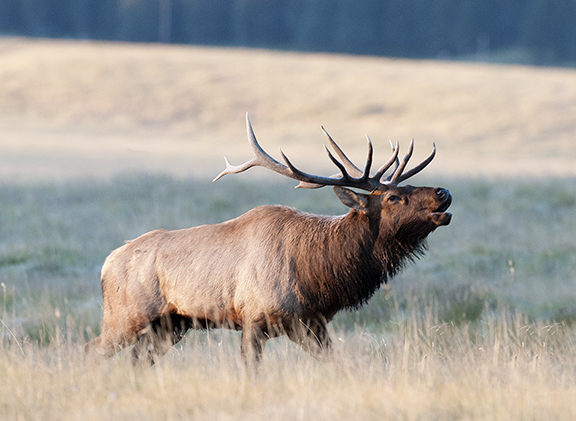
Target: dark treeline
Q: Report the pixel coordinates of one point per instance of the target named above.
(417, 28)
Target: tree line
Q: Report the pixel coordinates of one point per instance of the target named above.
(416, 28)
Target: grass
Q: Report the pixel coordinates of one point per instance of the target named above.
(457, 335)
(506, 367)
(103, 142)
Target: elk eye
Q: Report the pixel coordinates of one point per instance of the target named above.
(393, 198)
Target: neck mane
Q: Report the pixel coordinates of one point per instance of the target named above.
(349, 258)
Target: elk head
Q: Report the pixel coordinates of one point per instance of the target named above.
(404, 212)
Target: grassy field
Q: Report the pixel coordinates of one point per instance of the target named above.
(100, 143)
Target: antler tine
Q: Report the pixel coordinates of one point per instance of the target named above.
(340, 166)
(308, 185)
(368, 165)
(393, 159)
(231, 169)
(419, 167)
(261, 158)
(352, 169)
(394, 178)
(314, 181)
(362, 177)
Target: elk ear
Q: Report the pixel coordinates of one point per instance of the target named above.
(351, 199)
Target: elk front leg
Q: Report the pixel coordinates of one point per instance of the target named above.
(111, 340)
(253, 343)
(164, 333)
(105, 346)
(312, 336)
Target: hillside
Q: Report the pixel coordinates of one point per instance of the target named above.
(73, 109)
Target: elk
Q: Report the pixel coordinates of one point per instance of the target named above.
(273, 270)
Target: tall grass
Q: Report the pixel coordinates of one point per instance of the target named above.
(504, 367)
(480, 328)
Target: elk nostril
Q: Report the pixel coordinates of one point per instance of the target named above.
(440, 193)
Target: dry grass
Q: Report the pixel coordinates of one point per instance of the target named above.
(481, 328)
(507, 368)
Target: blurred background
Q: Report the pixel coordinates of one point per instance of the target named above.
(526, 31)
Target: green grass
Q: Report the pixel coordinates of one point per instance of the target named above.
(508, 240)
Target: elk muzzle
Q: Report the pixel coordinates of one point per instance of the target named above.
(439, 215)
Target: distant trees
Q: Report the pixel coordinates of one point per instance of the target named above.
(550, 29)
(417, 28)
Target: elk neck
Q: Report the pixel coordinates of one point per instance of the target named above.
(339, 268)
(396, 246)
(355, 255)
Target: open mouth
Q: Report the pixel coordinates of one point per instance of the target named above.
(444, 206)
(440, 216)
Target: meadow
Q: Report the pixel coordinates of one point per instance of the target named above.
(482, 327)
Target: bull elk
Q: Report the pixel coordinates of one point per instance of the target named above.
(273, 270)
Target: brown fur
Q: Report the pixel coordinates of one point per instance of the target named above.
(272, 271)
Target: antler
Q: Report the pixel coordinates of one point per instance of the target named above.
(350, 175)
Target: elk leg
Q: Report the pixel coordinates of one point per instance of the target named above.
(109, 343)
(101, 347)
(312, 336)
(164, 333)
(252, 344)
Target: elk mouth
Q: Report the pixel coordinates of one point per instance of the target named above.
(439, 216)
